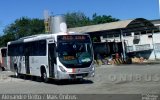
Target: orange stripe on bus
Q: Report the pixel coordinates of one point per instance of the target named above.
(73, 70)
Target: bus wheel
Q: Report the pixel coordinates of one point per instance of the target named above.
(3, 69)
(44, 76)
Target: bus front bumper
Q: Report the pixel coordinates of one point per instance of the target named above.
(63, 75)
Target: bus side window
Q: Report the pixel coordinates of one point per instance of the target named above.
(42, 47)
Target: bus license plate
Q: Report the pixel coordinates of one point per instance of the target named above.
(79, 77)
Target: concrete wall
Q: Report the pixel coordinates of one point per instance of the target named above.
(156, 40)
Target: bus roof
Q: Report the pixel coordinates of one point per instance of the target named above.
(40, 37)
(3, 47)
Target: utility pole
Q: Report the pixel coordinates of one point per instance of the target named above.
(47, 22)
(123, 46)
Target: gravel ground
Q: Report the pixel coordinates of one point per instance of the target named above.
(109, 79)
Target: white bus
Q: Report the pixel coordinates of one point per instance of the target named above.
(57, 56)
(3, 58)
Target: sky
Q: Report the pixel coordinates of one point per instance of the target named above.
(10, 10)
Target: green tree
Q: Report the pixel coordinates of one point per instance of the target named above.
(6, 38)
(24, 27)
(100, 19)
(20, 28)
(76, 19)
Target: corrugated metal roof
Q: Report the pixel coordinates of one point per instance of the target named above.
(101, 27)
(157, 21)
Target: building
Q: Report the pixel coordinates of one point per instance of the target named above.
(140, 35)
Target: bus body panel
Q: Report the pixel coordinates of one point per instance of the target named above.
(36, 62)
(29, 63)
(79, 73)
(16, 61)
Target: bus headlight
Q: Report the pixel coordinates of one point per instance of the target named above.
(92, 68)
(62, 69)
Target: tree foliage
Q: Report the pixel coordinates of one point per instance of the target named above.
(25, 26)
(99, 19)
(78, 19)
(20, 28)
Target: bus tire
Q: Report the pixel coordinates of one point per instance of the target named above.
(3, 69)
(44, 77)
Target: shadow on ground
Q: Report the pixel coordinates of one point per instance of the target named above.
(53, 81)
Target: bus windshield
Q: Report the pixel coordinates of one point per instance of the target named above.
(75, 54)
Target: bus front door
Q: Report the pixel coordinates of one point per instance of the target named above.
(51, 58)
